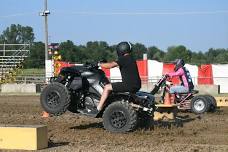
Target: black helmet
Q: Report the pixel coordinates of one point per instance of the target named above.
(123, 48)
(178, 64)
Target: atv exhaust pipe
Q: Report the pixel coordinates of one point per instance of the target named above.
(150, 110)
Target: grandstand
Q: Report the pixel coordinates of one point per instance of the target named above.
(12, 57)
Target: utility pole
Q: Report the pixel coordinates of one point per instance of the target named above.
(45, 14)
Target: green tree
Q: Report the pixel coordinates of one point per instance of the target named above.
(99, 50)
(198, 58)
(68, 51)
(138, 50)
(175, 52)
(37, 56)
(210, 55)
(216, 56)
(93, 51)
(155, 54)
(17, 34)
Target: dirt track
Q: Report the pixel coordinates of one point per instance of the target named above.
(72, 132)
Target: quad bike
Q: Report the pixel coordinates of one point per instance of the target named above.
(79, 88)
(185, 101)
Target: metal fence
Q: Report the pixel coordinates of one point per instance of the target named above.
(40, 79)
(11, 57)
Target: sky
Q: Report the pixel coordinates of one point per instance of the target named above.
(196, 24)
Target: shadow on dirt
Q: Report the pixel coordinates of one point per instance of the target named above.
(87, 126)
(178, 122)
(149, 124)
(52, 144)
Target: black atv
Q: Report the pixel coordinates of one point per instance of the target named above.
(79, 88)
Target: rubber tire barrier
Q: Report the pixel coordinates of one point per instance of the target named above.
(63, 98)
(203, 100)
(124, 108)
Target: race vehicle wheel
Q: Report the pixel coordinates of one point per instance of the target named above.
(212, 103)
(55, 98)
(199, 104)
(120, 117)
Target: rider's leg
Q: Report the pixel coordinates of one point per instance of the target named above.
(177, 89)
(104, 96)
(172, 98)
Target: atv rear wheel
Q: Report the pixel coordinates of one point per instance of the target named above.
(55, 98)
(212, 103)
(120, 117)
(199, 104)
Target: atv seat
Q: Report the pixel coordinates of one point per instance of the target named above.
(145, 95)
(129, 94)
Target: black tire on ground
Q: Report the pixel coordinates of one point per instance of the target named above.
(55, 98)
(213, 103)
(199, 104)
(120, 117)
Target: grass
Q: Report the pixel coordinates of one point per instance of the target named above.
(32, 72)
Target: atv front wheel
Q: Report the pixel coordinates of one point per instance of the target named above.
(55, 98)
(120, 117)
(199, 104)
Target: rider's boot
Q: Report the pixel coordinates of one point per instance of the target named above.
(172, 99)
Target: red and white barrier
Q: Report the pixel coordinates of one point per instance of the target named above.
(220, 75)
(115, 75)
(205, 75)
(155, 70)
(49, 69)
(152, 70)
(193, 69)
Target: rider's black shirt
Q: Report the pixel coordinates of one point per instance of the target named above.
(129, 72)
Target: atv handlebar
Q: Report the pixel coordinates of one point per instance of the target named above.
(94, 65)
(91, 65)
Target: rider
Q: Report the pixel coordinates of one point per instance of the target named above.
(131, 81)
(185, 77)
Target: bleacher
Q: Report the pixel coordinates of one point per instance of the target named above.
(12, 57)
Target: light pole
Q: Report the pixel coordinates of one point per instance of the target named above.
(45, 13)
